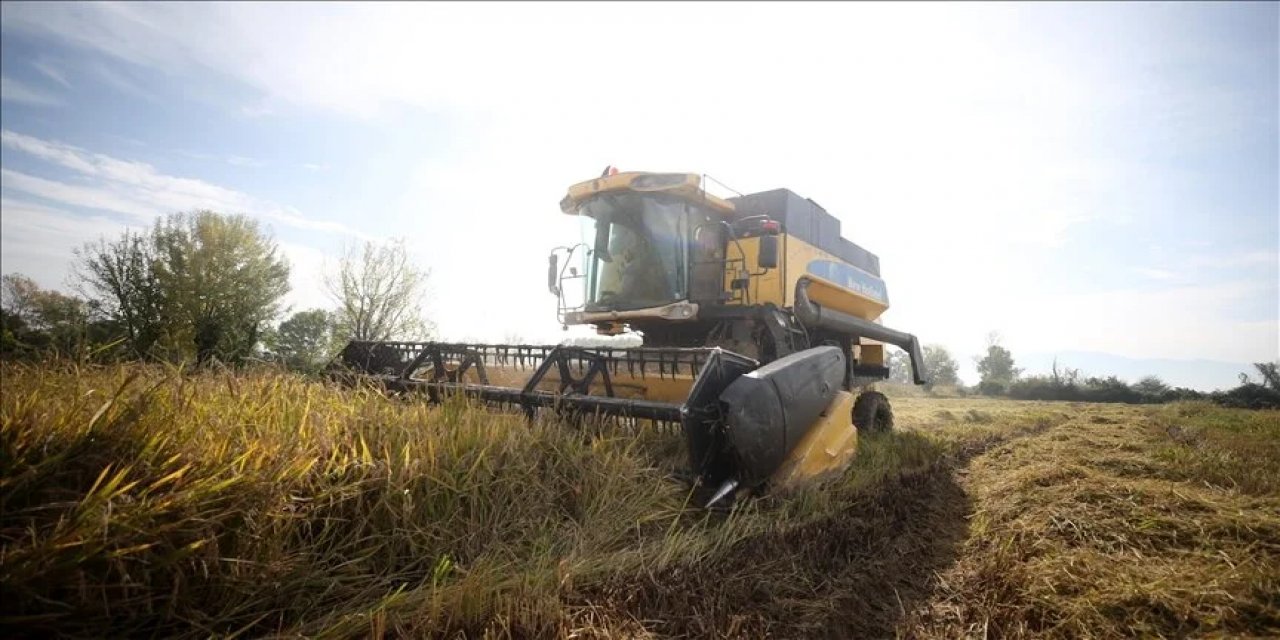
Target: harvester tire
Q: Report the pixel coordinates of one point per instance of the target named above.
(872, 413)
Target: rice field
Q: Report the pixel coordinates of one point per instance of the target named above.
(147, 500)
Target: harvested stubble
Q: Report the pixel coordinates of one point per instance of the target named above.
(1120, 522)
(150, 501)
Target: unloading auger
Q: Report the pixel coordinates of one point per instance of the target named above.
(759, 322)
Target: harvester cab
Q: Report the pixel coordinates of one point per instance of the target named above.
(759, 324)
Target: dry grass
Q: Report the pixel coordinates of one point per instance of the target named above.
(1120, 521)
(149, 501)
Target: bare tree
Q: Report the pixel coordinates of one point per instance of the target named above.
(118, 275)
(379, 293)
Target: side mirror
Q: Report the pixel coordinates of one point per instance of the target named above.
(768, 257)
(553, 282)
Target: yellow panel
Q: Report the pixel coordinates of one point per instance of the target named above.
(872, 354)
(689, 189)
(763, 288)
(778, 285)
(827, 448)
(834, 296)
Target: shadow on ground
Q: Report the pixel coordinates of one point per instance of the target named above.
(855, 573)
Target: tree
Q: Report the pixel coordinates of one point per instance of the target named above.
(996, 370)
(1270, 372)
(941, 368)
(304, 340)
(1152, 387)
(37, 319)
(199, 282)
(899, 366)
(119, 277)
(379, 293)
(221, 278)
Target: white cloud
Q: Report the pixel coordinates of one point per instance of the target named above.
(38, 240)
(51, 71)
(13, 91)
(138, 189)
(1183, 322)
(307, 266)
(1155, 274)
(1238, 260)
(241, 161)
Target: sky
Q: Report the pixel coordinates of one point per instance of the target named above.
(1095, 181)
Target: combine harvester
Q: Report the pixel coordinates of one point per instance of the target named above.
(759, 327)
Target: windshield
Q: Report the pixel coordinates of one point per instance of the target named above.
(637, 257)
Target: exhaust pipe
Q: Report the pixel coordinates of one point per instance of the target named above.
(812, 314)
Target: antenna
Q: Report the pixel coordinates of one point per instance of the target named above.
(706, 177)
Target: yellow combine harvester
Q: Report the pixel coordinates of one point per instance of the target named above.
(758, 320)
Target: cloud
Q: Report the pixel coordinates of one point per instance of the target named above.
(51, 71)
(31, 235)
(241, 161)
(1238, 260)
(13, 91)
(1195, 320)
(137, 189)
(1155, 274)
(307, 266)
(120, 81)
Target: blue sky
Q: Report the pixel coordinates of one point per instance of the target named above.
(1086, 178)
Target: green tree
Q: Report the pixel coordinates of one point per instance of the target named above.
(201, 282)
(996, 370)
(379, 294)
(37, 319)
(304, 340)
(222, 280)
(941, 368)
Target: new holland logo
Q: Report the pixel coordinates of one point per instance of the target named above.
(850, 277)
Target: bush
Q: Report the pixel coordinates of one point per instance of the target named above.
(992, 388)
(1249, 396)
(1096, 389)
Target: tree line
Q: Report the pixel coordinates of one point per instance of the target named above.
(208, 287)
(999, 376)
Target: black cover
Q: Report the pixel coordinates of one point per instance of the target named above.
(770, 409)
(804, 219)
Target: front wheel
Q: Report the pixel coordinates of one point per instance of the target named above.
(872, 413)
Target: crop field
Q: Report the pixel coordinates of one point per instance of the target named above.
(146, 500)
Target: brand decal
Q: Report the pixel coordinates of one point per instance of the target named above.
(850, 277)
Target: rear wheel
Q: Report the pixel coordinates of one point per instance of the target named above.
(872, 413)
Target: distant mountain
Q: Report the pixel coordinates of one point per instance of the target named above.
(1205, 375)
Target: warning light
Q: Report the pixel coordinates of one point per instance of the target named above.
(771, 226)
